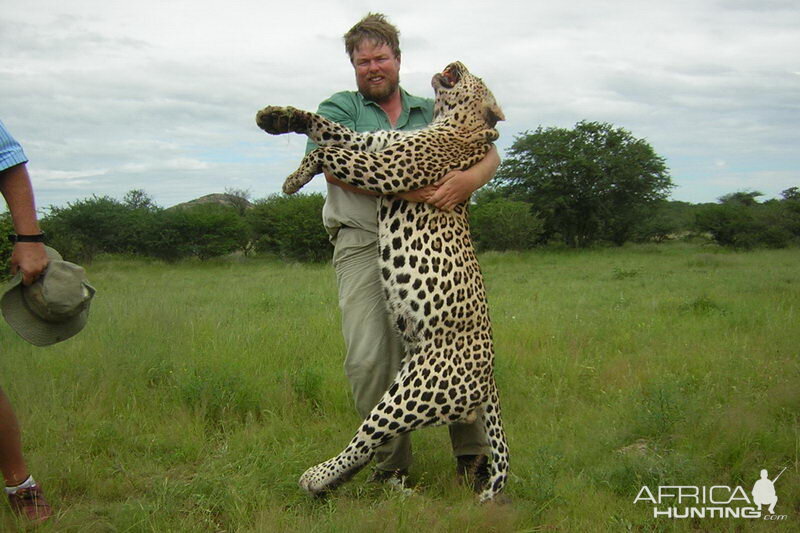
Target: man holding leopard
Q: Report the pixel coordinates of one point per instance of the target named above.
(374, 351)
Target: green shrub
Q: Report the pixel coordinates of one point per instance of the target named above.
(655, 229)
(136, 226)
(100, 224)
(6, 227)
(291, 227)
(729, 224)
(502, 224)
(746, 226)
(90, 226)
(203, 231)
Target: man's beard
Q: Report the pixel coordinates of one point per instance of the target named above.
(379, 94)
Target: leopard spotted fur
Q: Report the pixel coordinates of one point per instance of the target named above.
(431, 277)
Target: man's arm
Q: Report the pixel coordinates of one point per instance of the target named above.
(347, 186)
(452, 189)
(28, 257)
(340, 113)
(457, 186)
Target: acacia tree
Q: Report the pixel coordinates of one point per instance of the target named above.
(239, 199)
(589, 183)
(740, 221)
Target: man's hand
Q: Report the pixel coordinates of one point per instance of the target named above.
(455, 187)
(419, 196)
(29, 258)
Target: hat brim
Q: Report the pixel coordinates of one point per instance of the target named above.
(31, 327)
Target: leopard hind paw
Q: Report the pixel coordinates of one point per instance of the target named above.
(323, 478)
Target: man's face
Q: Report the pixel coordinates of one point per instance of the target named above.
(377, 71)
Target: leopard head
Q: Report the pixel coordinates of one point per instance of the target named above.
(464, 99)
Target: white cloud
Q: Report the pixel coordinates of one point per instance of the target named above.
(185, 163)
(162, 95)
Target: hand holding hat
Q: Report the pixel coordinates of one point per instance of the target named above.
(30, 258)
(54, 307)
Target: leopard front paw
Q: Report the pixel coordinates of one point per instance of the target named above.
(276, 120)
(295, 182)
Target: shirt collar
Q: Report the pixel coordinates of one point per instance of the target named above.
(411, 101)
(408, 102)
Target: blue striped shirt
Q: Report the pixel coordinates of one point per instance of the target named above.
(11, 153)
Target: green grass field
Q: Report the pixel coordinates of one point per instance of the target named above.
(199, 393)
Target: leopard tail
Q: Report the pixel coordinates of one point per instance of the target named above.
(497, 440)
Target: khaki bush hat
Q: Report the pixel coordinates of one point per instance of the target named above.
(54, 307)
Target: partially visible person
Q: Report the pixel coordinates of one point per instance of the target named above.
(350, 215)
(30, 259)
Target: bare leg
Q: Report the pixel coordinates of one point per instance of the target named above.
(12, 464)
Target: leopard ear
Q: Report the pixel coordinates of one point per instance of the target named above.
(494, 114)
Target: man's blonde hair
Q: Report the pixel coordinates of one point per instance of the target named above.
(373, 27)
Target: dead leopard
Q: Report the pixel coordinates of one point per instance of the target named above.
(431, 277)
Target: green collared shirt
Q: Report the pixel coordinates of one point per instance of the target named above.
(351, 109)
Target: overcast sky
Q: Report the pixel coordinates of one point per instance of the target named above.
(108, 96)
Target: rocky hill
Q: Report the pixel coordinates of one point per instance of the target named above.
(228, 200)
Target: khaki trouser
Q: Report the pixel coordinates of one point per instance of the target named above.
(374, 351)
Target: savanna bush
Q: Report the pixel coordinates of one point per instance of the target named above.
(203, 231)
(501, 224)
(742, 226)
(99, 224)
(290, 226)
(6, 227)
